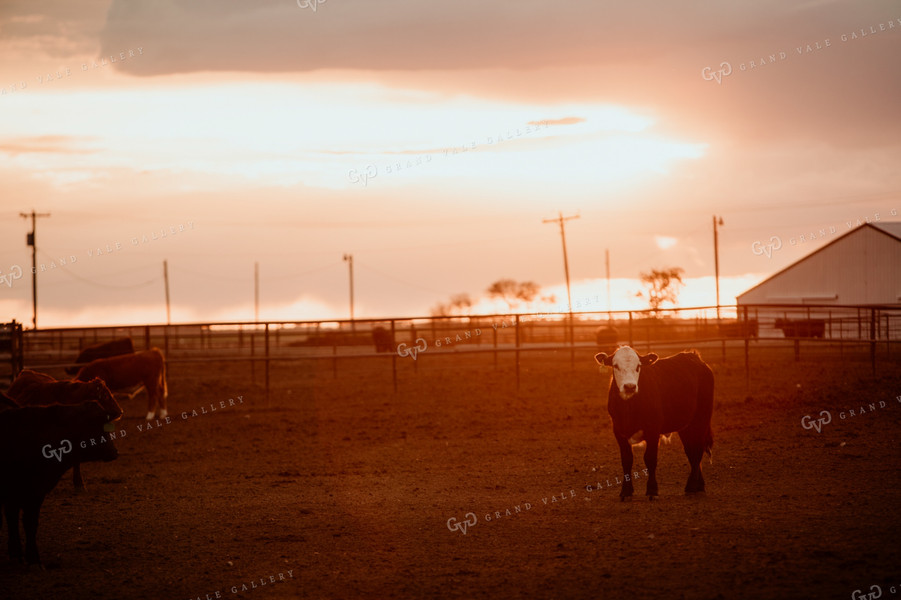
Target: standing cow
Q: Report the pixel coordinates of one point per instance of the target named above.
(105, 350)
(37, 445)
(383, 340)
(38, 389)
(675, 394)
(146, 368)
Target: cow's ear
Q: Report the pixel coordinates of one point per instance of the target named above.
(603, 359)
(649, 359)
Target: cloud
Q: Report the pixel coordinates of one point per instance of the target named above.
(52, 28)
(664, 242)
(566, 121)
(44, 144)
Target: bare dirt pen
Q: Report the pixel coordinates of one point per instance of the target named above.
(350, 487)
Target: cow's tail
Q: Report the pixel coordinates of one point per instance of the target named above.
(708, 444)
(165, 386)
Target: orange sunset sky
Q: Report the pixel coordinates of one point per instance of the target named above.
(429, 140)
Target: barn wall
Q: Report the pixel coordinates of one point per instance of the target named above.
(864, 267)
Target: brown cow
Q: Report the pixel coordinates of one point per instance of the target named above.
(146, 368)
(676, 394)
(37, 445)
(383, 340)
(7, 402)
(38, 389)
(105, 350)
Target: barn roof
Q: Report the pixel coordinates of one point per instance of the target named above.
(891, 229)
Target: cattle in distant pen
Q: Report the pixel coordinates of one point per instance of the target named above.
(606, 337)
(145, 369)
(38, 389)
(802, 328)
(649, 399)
(115, 347)
(383, 340)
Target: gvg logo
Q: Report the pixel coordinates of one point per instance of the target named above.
(363, 176)
(774, 244)
(65, 448)
(470, 521)
(15, 272)
(314, 4)
(404, 350)
(808, 423)
(724, 71)
(875, 592)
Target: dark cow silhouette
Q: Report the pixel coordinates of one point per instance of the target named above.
(142, 369)
(802, 328)
(104, 350)
(650, 398)
(606, 338)
(741, 329)
(384, 341)
(37, 445)
(38, 389)
(7, 402)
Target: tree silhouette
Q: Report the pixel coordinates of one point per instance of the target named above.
(459, 303)
(513, 293)
(663, 286)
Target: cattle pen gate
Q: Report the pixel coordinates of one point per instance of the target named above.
(811, 331)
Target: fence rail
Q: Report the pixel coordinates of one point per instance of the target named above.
(261, 343)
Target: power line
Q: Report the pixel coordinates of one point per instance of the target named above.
(407, 283)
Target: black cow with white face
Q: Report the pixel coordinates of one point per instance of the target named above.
(37, 445)
(650, 398)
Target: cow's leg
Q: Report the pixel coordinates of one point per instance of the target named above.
(152, 394)
(14, 541)
(30, 513)
(161, 400)
(694, 450)
(650, 460)
(625, 454)
(77, 481)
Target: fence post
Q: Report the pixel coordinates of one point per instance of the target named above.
(631, 344)
(413, 341)
(267, 364)
(495, 345)
(394, 359)
(747, 348)
(873, 339)
(517, 353)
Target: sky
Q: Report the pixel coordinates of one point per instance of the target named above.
(430, 141)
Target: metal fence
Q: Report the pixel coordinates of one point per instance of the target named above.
(756, 327)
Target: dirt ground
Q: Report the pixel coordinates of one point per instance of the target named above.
(340, 488)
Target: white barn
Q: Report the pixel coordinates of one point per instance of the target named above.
(862, 268)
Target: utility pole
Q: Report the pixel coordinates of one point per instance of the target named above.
(569, 300)
(716, 263)
(609, 306)
(166, 281)
(349, 258)
(31, 241)
(256, 292)
(560, 219)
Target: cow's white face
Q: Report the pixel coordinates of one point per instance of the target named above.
(626, 368)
